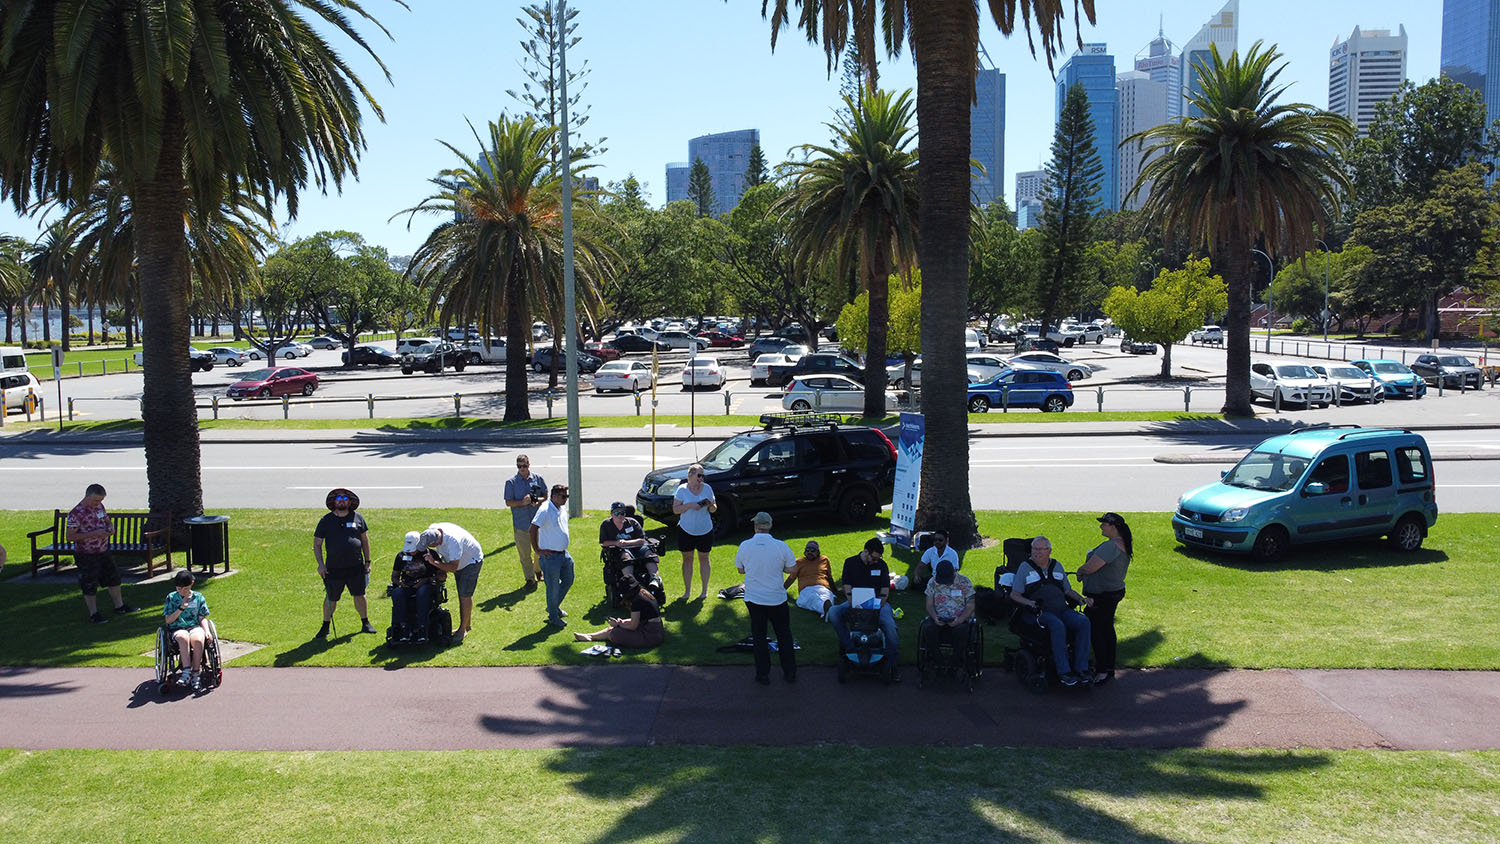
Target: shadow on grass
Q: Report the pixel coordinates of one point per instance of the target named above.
(1345, 555)
(311, 648)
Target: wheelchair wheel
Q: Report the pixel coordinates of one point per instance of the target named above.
(213, 666)
(1030, 672)
(163, 660)
(925, 669)
(843, 666)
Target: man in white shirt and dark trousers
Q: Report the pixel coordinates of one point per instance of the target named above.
(549, 537)
(765, 560)
(939, 551)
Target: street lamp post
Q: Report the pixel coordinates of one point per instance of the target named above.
(1270, 297)
(575, 458)
(1325, 290)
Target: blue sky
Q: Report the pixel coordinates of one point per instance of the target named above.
(664, 71)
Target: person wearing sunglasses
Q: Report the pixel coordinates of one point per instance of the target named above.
(341, 547)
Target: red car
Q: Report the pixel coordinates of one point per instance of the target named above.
(276, 381)
(720, 340)
(604, 351)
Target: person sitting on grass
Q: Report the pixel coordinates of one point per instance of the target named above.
(814, 576)
(186, 615)
(642, 630)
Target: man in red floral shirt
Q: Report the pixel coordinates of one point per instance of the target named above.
(89, 530)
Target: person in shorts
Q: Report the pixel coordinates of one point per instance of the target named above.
(345, 537)
(462, 556)
(694, 503)
(89, 530)
(185, 615)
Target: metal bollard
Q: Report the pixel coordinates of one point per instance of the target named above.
(1101, 398)
(370, 403)
(549, 403)
(457, 406)
(286, 407)
(216, 408)
(1276, 400)
(1336, 390)
(80, 369)
(637, 401)
(1005, 399)
(726, 402)
(70, 408)
(1187, 399)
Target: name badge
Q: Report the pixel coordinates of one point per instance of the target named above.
(350, 526)
(874, 572)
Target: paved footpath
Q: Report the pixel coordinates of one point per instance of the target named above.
(633, 705)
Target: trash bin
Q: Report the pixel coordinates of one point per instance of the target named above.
(208, 542)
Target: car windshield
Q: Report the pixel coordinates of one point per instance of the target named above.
(258, 375)
(1454, 360)
(729, 452)
(1390, 367)
(1266, 470)
(1348, 372)
(426, 349)
(1296, 370)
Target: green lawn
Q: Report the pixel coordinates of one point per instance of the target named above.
(79, 362)
(1350, 605)
(710, 794)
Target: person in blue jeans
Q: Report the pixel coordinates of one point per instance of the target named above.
(867, 569)
(1042, 584)
(549, 538)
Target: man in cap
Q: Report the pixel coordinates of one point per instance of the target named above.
(814, 576)
(950, 602)
(764, 559)
(462, 556)
(625, 533)
(413, 577)
(347, 564)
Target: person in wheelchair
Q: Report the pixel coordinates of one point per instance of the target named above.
(867, 569)
(1042, 585)
(414, 581)
(186, 619)
(950, 607)
(624, 534)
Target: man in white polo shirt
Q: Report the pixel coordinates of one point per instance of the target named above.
(939, 551)
(462, 555)
(765, 560)
(549, 537)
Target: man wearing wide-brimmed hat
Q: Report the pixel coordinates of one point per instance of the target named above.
(347, 564)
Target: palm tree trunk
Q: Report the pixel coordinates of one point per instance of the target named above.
(1234, 262)
(65, 305)
(877, 332)
(517, 335)
(46, 318)
(10, 323)
(944, 37)
(173, 465)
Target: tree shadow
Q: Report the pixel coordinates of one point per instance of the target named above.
(13, 684)
(1213, 432)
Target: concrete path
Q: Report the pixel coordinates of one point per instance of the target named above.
(632, 705)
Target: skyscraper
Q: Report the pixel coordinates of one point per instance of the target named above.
(987, 136)
(1471, 48)
(1094, 68)
(1029, 184)
(1142, 105)
(677, 180)
(1223, 31)
(1363, 71)
(727, 155)
(1161, 62)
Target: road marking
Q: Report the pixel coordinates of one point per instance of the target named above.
(361, 486)
(1469, 486)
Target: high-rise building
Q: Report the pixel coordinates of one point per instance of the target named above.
(1162, 62)
(1094, 68)
(1222, 31)
(1142, 105)
(1364, 71)
(987, 136)
(1028, 214)
(1029, 185)
(1471, 48)
(677, 180)
(727, 155)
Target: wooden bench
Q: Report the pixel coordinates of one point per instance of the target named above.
(144, 534)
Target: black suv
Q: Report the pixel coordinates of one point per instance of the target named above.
(817, 363)
(796, 463)
(433, 357)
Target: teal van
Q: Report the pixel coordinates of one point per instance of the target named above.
(1315, 486)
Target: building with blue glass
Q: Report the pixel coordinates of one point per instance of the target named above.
(1471, 48)
(987, 136)
(677, 180)
(1094, 68)
(727, 155)
(1221, 31)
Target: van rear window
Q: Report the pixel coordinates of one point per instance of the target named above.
(1411, 465)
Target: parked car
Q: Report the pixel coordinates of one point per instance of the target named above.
(272, 382)
(703, 371)
(637, 343)
(819, 363)
(973, 340)
(481, 352)
(1130, 346)
(978, 369)
(1350, 383)
(325, 343)
(201, 360)
(795, 464)
(1040, 388)
(766, 345)
(541, 361)
(1211, 335)
(1291, 383)
(1399, 380)
(228, 356)
(625, 376)
(289, 351)
(411, 344)
(1454, 370)
(720, 340)
(17, 385)
(762, 367)
(370, 355)
(831, 394)
(681, 340)
(1074, 370)
(434, 358)
(1317, 485)
(1027, 343)
(604, 351)
(1107, 326)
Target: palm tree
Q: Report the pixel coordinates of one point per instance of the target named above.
(856, 201)
(208, 99)
(944, 39)
(501, 249)
(15, 281)
(1247, 168)
(50, 262)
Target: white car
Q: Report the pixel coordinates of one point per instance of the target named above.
(287, 352)
(831, 393)
(325, 343)
(973, 341)
(17, 385)
(1208, 334)
(1295, 383)
(623, 375)
(200, 360)
(406, 345)
(1072, 370)
(1108, 327)
(761, 368)
(896, 373)
(1352, 383)
(703, 371)
(226, 355)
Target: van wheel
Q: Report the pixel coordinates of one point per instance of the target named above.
(1270, 544)
(858, 506)
(1407, 535)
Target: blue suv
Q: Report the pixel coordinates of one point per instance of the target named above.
(1312, 486)
(1398, 378)
(1040, 388)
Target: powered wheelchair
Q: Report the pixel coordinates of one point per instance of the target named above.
(437, 628)
(866, 652)
(615, 560)
(169, 662)
(1031, 659)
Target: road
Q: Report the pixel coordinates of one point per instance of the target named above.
(1073, 473)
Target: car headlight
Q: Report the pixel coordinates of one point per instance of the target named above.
(1180, 499)
(1235, 514)
(669, 486)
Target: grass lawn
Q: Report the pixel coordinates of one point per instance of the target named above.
(706, 794)
(1348, 605)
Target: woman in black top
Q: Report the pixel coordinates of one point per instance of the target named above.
(642, 630)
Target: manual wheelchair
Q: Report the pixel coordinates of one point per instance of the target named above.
(169, 664)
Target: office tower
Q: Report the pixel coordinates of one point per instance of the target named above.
(677, 180)
(1363, 71)
(1094, 68)
(1222, 31)
(1162, 63)
(987, 136)
(1142, 105)
(727, 155)
(1028, 213)
(1471, 48)
(1029, 184)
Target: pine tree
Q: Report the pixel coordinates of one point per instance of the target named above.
(1070, 199)
(701, 188)
(756, 173)
(542, 96)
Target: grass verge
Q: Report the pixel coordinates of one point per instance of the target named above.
(706, 794)
(1346, 605)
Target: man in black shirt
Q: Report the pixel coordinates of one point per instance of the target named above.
(347, 564)
(866, 569)
(622, 532)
